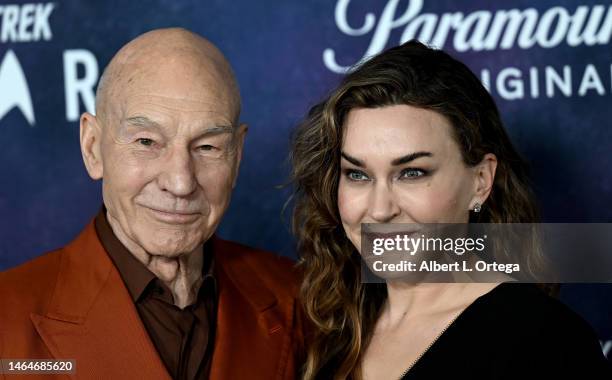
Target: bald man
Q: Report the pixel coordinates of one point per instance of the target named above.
(147, 291)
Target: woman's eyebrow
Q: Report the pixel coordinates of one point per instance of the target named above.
(352, 160)
(409, 157)
(398, 161)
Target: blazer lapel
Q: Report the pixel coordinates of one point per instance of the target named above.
(91, 318)
(253, 329)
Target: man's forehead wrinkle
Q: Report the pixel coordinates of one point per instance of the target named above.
(184, 90)
(162, 105)
(189, 69)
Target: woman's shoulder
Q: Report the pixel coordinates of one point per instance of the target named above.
(526, 306)
(528, 325)
(515, 331)
(523, 310)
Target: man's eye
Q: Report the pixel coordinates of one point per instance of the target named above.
(356, 175)
(412, 173)
(145, 141)
(206, 147)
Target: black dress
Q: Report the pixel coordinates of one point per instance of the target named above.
(514, 332)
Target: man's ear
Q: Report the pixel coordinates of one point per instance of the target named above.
(484, 179)
(240, 135)
(91, 140)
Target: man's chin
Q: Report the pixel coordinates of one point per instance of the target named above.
(169, 253)
(170, 247)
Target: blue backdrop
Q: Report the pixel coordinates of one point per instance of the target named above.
(547, 63)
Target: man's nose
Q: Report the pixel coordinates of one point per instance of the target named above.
(178, 174)
(383, 204)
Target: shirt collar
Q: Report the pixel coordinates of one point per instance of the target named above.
(133, 273)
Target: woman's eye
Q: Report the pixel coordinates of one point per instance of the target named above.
(145, 141)
(412, 173)
(355, 175)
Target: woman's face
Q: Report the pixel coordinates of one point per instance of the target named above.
(400, 164)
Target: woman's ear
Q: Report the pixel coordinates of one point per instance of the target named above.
(91, 139)
(484, 178)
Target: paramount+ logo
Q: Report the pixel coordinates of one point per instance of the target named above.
(556, 27)
(28, 23)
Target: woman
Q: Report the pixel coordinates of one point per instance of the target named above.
(411, 136)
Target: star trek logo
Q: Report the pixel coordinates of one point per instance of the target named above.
(20, 23)
(25, 23)
(12, 77)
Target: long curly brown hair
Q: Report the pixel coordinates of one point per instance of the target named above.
(342, 309)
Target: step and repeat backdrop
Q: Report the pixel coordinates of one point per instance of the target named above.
(547, 63)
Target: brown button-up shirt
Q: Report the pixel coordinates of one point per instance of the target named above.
(183, 338)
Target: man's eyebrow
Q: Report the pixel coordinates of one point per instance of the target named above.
(141, 121)
(352, 160)
(410, 157)
(218, 129)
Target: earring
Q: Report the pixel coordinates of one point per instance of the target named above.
(477, 207)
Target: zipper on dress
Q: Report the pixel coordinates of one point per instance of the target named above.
(429, 346)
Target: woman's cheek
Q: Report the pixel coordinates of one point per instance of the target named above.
(352, 204)
(426, 204)
(444, 207)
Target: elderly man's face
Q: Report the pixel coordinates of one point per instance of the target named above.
(170, 153)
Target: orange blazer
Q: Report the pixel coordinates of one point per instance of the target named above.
(72, 304)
